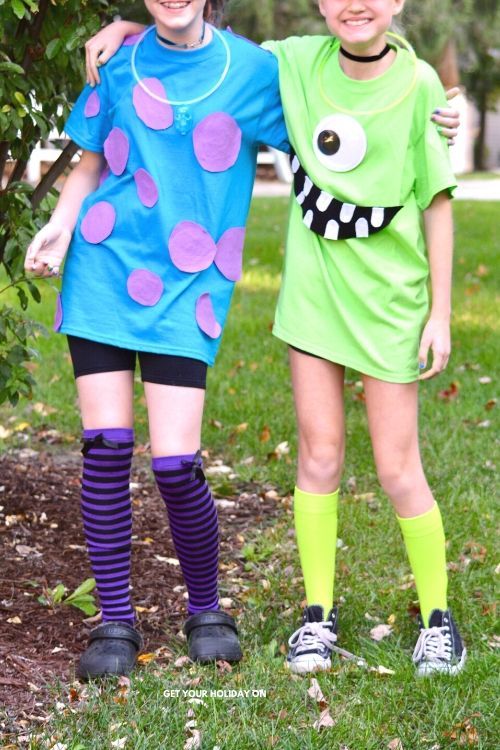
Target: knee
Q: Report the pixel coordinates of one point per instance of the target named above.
(321, 465)
(396, 479)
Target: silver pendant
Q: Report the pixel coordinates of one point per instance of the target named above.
(183, 119)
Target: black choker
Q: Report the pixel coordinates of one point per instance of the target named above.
(189, 45)
(360, 58)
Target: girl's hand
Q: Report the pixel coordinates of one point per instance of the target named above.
(46, 252)
(448, 119)
(436, 336)
(104, 44)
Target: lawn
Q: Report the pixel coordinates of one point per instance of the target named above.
(249, 417)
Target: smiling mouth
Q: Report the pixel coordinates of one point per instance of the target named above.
(323, 214)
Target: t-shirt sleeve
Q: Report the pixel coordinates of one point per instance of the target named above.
(433, 170)
(272, 129)
(90, 122)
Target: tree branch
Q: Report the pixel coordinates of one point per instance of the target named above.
(54, 172)
(18, 171)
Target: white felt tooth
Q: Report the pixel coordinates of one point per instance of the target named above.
(307, 186)
(332, 230)
(362, 228)
(347, 212)
(301, 198)
(377, 218)
(324, 201)
(295, 165)
(308, 218)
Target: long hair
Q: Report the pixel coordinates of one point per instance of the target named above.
(214, 11)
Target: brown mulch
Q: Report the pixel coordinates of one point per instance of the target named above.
(41, 544)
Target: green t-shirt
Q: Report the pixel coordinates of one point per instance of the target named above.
(362, 301)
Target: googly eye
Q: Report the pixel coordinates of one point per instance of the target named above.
(339, 143)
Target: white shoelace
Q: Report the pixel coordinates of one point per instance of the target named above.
(311, 634)
(433, 643)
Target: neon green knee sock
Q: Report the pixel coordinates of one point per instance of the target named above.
(316, 529)
(425, 544)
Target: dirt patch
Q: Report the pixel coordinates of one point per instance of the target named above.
(41, 544)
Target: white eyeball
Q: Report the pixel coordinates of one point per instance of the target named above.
(339, 143)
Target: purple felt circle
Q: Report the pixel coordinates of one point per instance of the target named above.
(205, 316)
(130, 40)
(92, 105)
(156, 115)
(98, 222)
(191, 247)
(229, 255)
(217, 142)
(104, 174)
(146, 188)
(116, 150)
(58, 316)
(145, 287)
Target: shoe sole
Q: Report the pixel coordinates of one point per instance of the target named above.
(309, 666)
(427, 669)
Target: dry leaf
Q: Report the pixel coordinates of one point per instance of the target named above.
(119, 744)
(168, 560)
(380, 631)
(193, 742)
(484, 380)
(325, 721)
(465, 732)
(382, 670)
(226, 602)
(391, 620)
(182, 661)
(146, 658)
(223, 666)
(490, 404)
(15, 620)
(395, 744)
(449, 394)
(265, 434)
(315, 692)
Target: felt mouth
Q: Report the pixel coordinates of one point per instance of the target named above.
(323, 214)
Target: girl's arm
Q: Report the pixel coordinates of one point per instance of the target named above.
(438, 221)
(49, 246)
(104, 44)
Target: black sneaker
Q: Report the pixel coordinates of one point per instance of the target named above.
(439, 647)
(311, 646)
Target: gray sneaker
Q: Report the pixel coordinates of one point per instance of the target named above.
(439, 647)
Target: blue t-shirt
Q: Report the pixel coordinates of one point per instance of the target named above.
(157, 247)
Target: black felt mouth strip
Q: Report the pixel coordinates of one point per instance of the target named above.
(334, 219)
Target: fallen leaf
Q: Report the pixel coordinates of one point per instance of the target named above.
(482, 270)
(490, 404)
(15, 620)
(379, 632)
(395, 744)
(449, 394)
(382, 670)
(226, 602)
(325, 721)
(146, 658)
(168, 560)
(182, 661)
(241, 427)
(25, 551)
(484, 380)
(465, 732)
(315, 692)
(223, 666)
(391, 620)
(215, 423)
(119, 744)
(494, 642)
(265, 434)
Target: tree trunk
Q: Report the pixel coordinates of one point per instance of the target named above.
(480, 144)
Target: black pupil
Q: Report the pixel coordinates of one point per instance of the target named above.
(328, 142)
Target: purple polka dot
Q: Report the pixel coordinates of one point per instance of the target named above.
(229, 255)
(116, 150)
(156, 115)
(92, 105)
(130, 40)
(104, 174)
(191, 247)
(58, 317)
(144, 287)
(146, 188)
(205, 316)
(217, 142)
(98, 222)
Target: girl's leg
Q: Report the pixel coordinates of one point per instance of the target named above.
(393, 422)
(175, 418)
(318, 387)
(106, 408)
(392, 410)
(318, 391)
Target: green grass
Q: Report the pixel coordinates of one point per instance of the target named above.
(250, 385)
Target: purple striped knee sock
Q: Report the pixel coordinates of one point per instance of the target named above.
(107, 517)
(193, 523)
